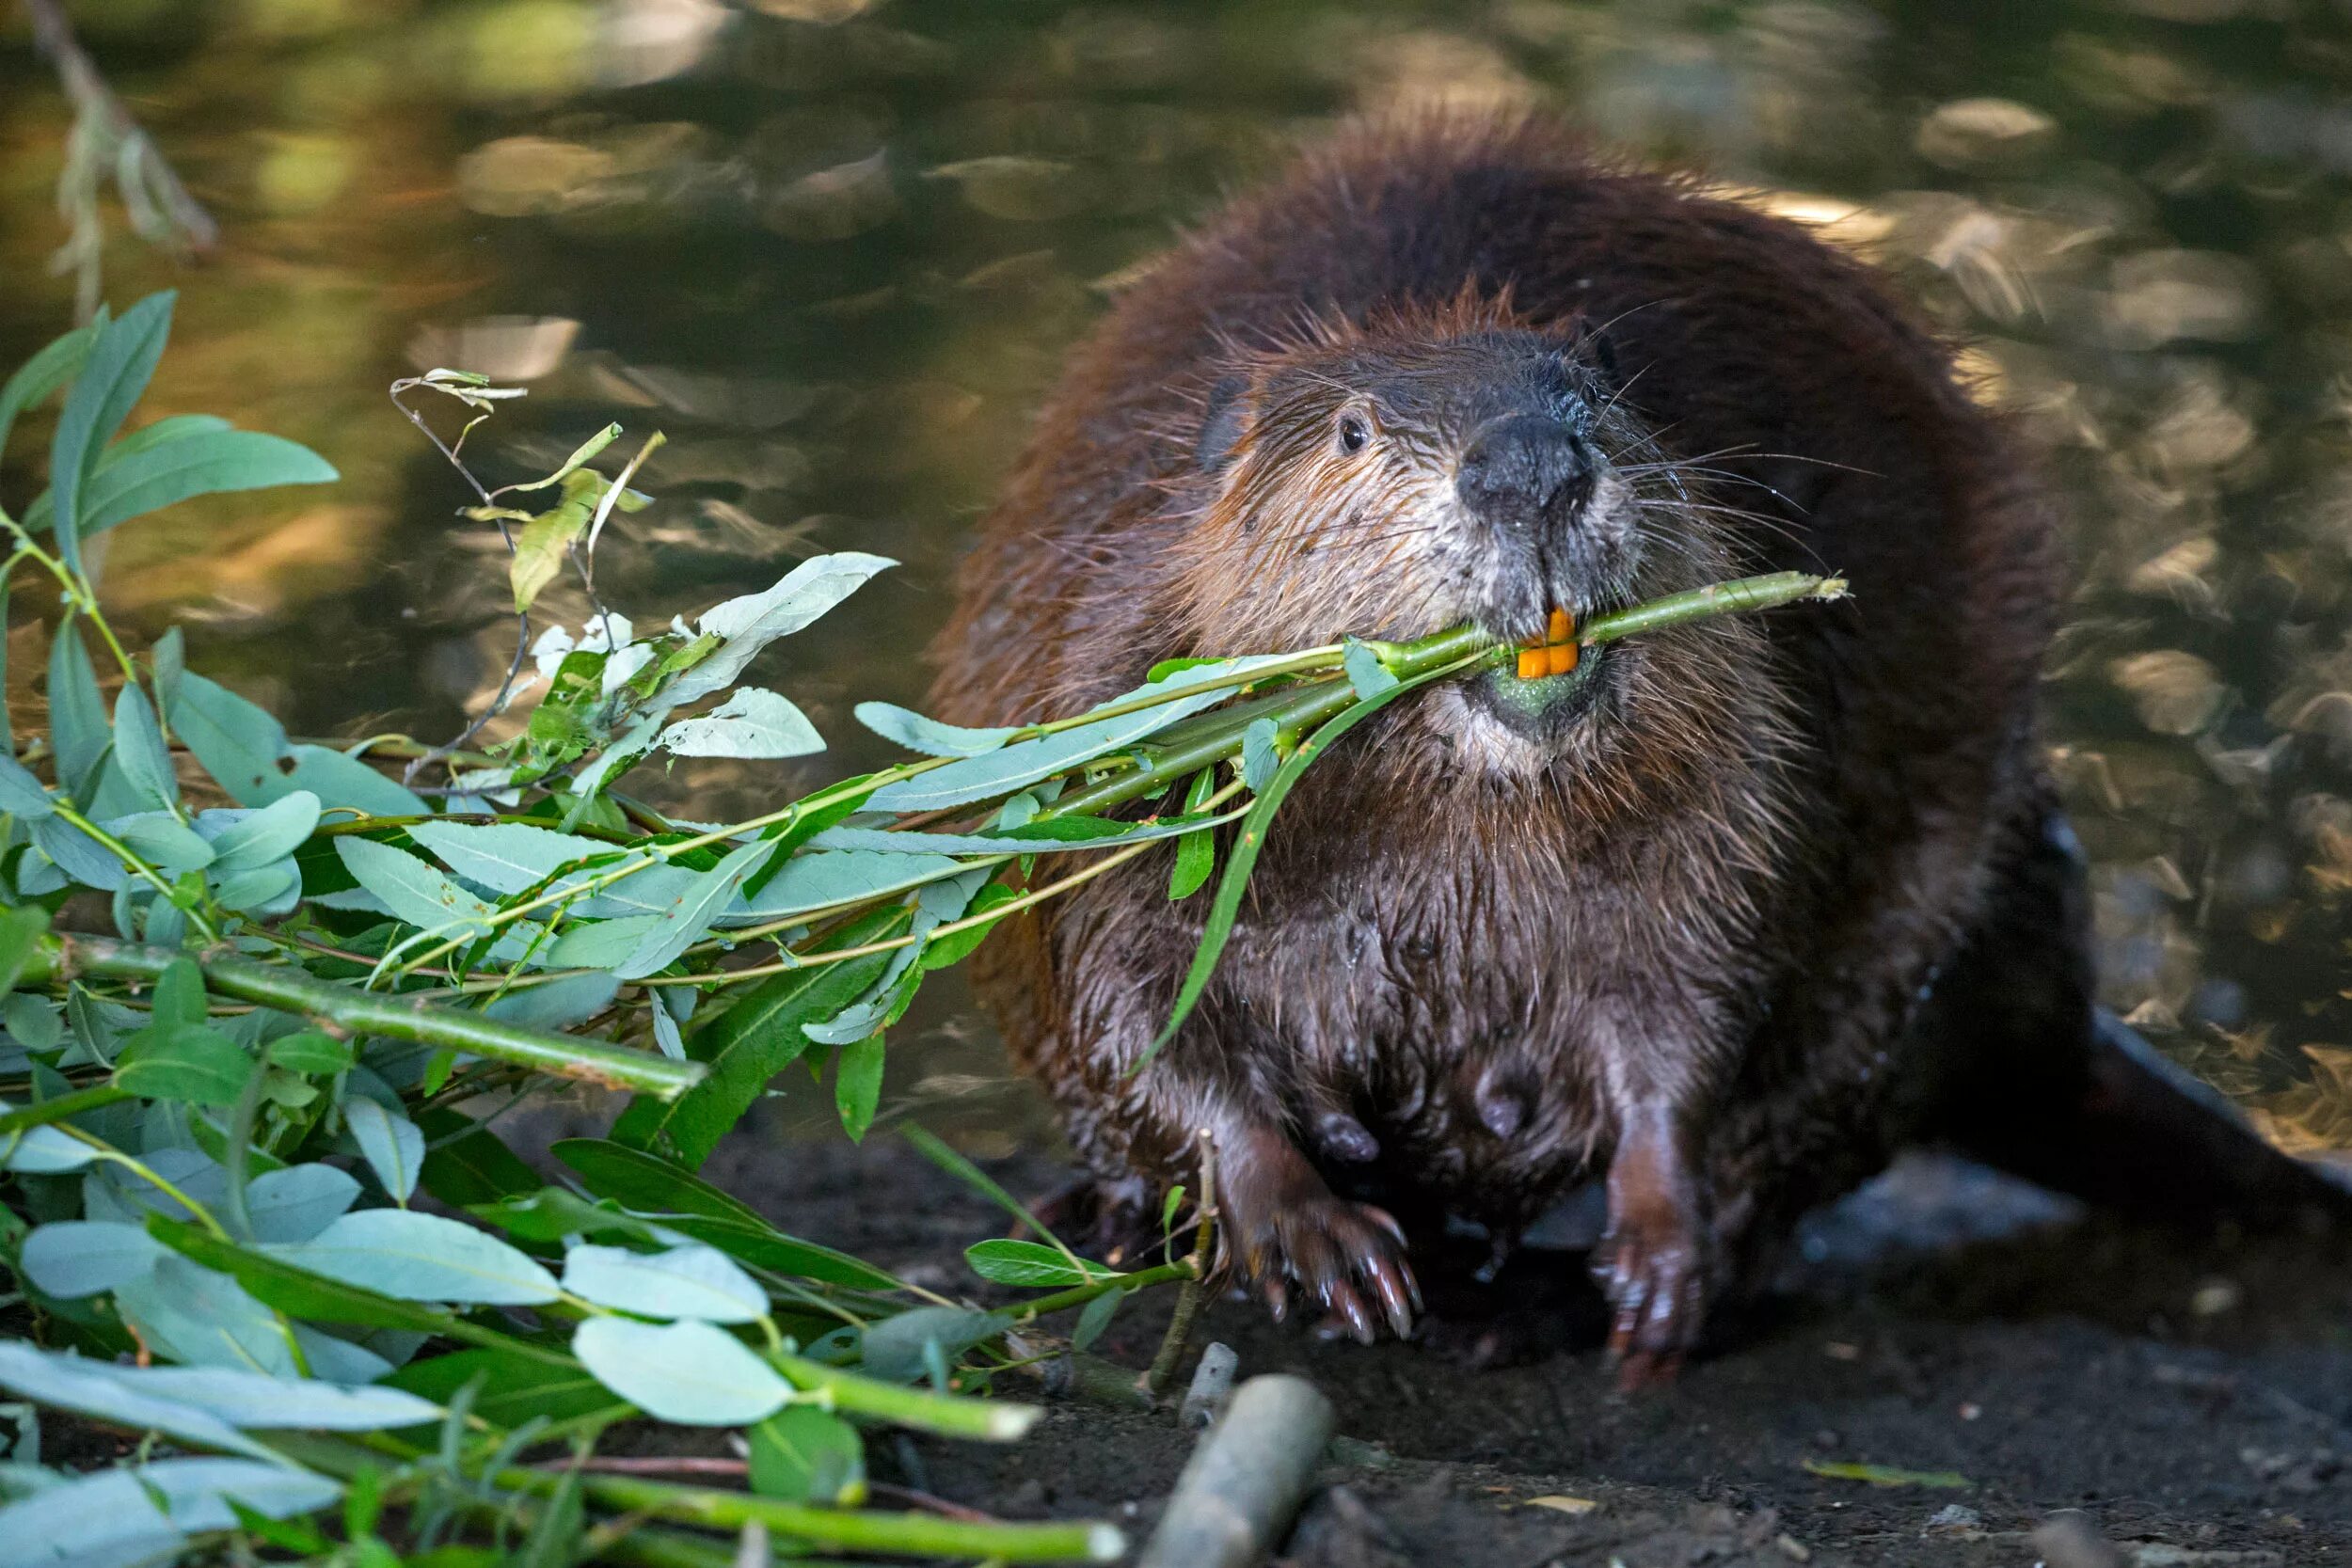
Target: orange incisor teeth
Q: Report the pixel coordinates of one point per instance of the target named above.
(1552, 654)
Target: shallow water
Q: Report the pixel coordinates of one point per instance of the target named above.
(833, 249)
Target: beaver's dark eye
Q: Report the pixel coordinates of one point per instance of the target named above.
(1354, 433)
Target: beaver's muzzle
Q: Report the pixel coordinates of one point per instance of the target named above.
(1527, 474)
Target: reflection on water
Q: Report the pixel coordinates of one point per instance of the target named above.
(835, 246)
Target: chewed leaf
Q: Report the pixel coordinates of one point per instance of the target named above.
(753, 722)
(929, 737)
(1260, 756)
(1366, 673)
(747, 625)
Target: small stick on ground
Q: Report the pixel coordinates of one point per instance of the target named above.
(1212, 1387)
(1243, 1483)
(1188, 1295)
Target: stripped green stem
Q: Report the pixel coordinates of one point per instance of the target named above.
(351, 1012)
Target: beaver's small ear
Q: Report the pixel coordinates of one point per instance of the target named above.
(1222, 422)
(1600, 351)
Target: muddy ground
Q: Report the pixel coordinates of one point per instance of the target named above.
(2191, 1395)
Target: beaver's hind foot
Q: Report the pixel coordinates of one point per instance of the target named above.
(1652, 1262)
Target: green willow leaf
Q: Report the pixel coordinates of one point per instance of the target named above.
(857, 1084)
(513, 1388)
(945, 951)
(21, 930)
(140, 752)
(1251, 838)
(390, 1143)
(1026, 761)
(642, 1181)
(417, 1256)
(696, 1281)
(744, 626)
(1195, 853)
(198, 462)
(689, 1373)
(119, 365)
(684, 1202)
(753, 723)
(90, 1388)
(184, 1063)
(691, 918)
(803, 1454)
(77, 716)
(929, 737)
(754, 1040)
(539, 548)
(45, 373)
(1005, 1262)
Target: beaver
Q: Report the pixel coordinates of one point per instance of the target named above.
(1725, 916)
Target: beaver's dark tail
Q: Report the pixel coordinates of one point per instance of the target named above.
(2037, 1080)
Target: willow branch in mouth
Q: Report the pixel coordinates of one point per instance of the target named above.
(1554, 653)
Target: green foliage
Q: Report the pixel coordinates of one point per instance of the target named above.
(219, 1119)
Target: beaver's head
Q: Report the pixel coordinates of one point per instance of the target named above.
(1395, 477)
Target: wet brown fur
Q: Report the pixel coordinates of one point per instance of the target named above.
(1686, 951)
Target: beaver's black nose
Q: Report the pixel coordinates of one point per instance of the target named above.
(1526, 471)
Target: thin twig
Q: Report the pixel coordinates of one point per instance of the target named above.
(105, 138)
(506, 694)
(660, 1464)
(1188, 1294)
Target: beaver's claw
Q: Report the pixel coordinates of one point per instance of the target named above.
(1347, 1257)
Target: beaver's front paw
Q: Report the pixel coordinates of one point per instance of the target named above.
(1296, 1241)
(1348, 1258)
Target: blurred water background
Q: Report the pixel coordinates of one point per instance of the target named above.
(835, 248)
